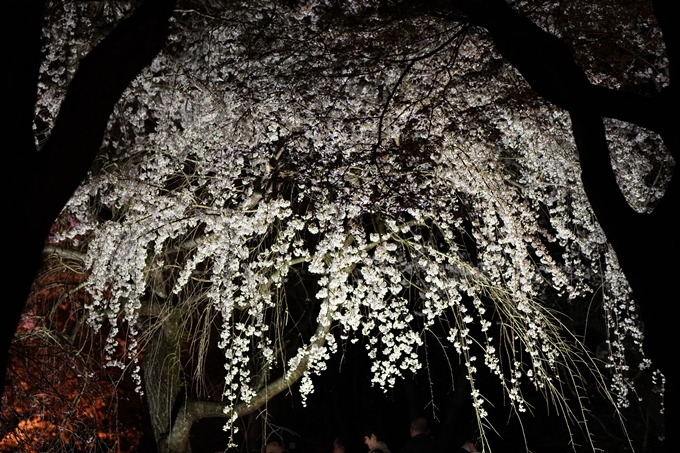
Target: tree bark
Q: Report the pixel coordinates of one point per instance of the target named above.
(21, 28)
(46, 180)
(162, 380)
(647, 245)
(546, 63)
(192, 411)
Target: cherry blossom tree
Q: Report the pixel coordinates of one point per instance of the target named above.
(442, 160)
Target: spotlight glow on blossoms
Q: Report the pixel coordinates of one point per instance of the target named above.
(250, 155)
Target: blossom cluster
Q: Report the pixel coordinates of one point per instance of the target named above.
(254, 150)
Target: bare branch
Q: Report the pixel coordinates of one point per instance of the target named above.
(196, 410)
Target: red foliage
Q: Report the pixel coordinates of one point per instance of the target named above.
(59, 397)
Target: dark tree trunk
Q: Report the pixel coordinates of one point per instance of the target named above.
(21, 25)
(162, 380)
(43, 182)
(647, 245)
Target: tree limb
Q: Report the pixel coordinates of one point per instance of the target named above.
(46, 180)
(647, 246)
(51, 249)
(546, 63)
(193, 411)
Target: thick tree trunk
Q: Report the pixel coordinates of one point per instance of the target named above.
(162, 381)
(647, 245)
(45, 181)
(21, 28)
